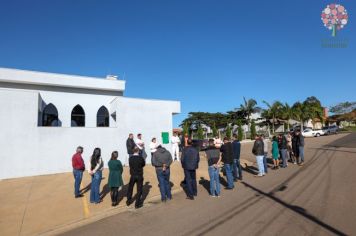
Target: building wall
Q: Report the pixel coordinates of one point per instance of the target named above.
(28, 149)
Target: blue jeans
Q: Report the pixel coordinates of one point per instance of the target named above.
(191, 182)
(78, 175)
(237, 171)
(284, 157)
(229, 177)
(214, 181)
(265, 163)
(301, 153)
(95, 187)
(164, 185)
(261, 167)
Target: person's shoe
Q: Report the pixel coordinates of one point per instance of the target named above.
(113, 204)
(79, 196)
(128, 202)
(259, 175)
(190, 197)
(227, 188)
(138, 206)
(295, 163)
(240, 178)
(212, 196)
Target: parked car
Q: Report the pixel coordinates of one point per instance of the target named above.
(308, 132)
(333, 129)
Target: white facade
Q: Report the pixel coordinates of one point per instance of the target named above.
(27, 148)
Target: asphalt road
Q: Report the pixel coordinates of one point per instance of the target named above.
(318, 198)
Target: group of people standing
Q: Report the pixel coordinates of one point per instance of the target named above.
(220, 154)
(285, 147)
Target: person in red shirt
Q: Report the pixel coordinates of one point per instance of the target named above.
(78, 169)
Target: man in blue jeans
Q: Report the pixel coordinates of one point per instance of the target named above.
(78, 168)
(228, 159)
(162, 160)
(190, 161)
(213, 156)
(236, 147)
(258, 151)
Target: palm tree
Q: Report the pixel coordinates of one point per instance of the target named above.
(273, 111)
(298, 110)
(287, 113)
(248, 108)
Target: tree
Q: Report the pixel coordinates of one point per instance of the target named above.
(215, 130)
(298, 113)
(200, 132)
(186, 130)
(287, 113)
(248, 108)
(228, 132)
(239, 130)
(273, 111)
(343, 107)
(253, 130)
(313, 109)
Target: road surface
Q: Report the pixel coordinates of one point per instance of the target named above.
(318, 198)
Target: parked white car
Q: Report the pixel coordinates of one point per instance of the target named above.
(312, 132)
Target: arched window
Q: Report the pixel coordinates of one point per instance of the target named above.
(102, 117)
(50, 116)
(78, 117)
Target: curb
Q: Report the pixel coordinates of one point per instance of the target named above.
(99, 216)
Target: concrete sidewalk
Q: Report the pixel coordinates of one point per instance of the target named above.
(46, 204)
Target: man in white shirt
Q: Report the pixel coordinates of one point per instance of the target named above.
(175, 146)
(153, 145)
(141, 145)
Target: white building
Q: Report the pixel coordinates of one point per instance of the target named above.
(45, 116)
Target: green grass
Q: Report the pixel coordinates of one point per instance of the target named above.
(348, 129)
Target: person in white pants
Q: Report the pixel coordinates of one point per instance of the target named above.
(175, 146)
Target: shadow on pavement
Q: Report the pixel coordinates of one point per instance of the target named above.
(205, 183)
(301, 211)
(146, 190)
(348, 141)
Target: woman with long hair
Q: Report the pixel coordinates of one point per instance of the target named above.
(95, 170)
(115, 177)
(275, 152)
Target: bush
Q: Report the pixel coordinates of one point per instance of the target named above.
(200, 132)
(253, 130)
(239, 130)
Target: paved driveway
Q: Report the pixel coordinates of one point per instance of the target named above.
(316, 199)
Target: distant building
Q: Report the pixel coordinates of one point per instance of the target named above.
(45, 116)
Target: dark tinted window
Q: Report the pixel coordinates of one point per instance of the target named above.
(78, 117)
(50, 116)
(102, 117)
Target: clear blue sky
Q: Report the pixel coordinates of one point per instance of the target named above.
(206, 54)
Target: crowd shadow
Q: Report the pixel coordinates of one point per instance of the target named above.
(145, 190)
(250, 169)
(104, 191)
(205, 183)
(85, 189)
